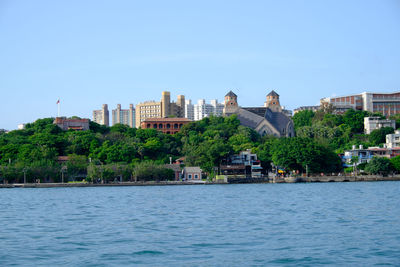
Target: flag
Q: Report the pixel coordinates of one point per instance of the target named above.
(58, 101)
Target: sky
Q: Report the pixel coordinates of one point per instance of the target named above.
(89, 53)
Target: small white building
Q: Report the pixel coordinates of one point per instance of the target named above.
(374, 123)
(192, 174)
(393, 140)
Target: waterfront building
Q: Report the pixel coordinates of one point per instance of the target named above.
(192, 174)
(245, 163)
(101, 116)
(364, 155)
(162, 109)
(385, 103)
(72, 124)
(124, 116)
(267, 120)
(374, 123)
(165, 125)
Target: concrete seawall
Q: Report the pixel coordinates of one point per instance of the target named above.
(315, 179)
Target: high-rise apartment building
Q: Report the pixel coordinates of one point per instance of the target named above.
(148, 109)
(385, 103)
(189, 110)
(202, 109)
(163, 109)
(124, 116)
(101, 116)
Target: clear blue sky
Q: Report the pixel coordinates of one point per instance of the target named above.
(92, 52)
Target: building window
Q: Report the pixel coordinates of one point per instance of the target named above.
(148, 125)
(175, 126)
(190, 177)
(168, 126)
(155, 125)
(196, 176)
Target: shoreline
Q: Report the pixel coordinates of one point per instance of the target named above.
(318, 179)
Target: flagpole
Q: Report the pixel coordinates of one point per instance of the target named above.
(58, 107)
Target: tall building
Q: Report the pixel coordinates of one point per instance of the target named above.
(202, 109)
(101, 116)
(189, 110)
(385, 103)
(124, 116)
(148, 109)
(163, 109)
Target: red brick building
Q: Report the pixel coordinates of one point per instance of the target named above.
(72, 124)
(165, 125)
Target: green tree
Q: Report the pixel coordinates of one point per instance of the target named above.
(303, 118)
(378, 165)
(395, 163)
(378, 136)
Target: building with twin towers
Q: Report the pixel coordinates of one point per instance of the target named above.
(271, 119)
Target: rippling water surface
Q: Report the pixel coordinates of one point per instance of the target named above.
(353, 224)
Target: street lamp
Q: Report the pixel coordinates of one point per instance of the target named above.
(24, 171)
(63, 170)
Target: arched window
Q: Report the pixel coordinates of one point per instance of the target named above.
(175, 126)
(168, 126)
(160, 126)
(155, 125)
(148, 125)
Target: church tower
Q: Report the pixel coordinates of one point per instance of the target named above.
(231, 104)
(273, 102)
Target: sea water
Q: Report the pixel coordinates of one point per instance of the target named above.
(346, 224)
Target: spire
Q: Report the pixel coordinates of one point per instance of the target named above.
(231, 94)
(272, 93)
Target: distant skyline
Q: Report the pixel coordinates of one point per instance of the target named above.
(89, 53)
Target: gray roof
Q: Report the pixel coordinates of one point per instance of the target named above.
(174, 167)
(272, 93)
(249, 119)
(277, 119)
(231, 94)
(192, 169)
